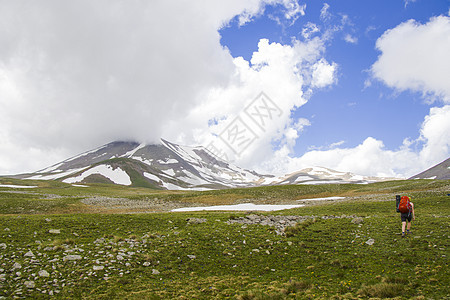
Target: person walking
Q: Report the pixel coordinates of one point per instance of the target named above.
(407, 215)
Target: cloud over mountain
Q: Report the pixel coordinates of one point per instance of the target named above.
(76, 74)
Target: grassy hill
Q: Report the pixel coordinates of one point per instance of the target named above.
(51, 243)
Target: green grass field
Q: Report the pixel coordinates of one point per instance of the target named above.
(51, 244)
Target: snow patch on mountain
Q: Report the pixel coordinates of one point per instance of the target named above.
(54, 176)
(152, 177)
(117, 175)
(132, 152)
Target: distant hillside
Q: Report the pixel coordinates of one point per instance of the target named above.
(439, 171)
(174, 167)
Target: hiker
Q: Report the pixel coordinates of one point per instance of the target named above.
(407, 214)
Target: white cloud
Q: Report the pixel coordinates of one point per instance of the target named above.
(293, 9)
(373, 159)
(350, 39)
(407, 2)
(414, 57)
(74, 75)
(309, 30)
(286, 73)
(324, 73)
(324, 13)
(435, 133)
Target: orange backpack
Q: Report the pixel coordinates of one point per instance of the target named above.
(404, 205)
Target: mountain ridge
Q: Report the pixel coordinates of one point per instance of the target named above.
(438, 171)
(171, 166)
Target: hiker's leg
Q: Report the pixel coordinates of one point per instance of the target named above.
(409, 226)
(403, 226)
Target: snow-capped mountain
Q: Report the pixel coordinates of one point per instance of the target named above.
(174, 167)
(439, 171)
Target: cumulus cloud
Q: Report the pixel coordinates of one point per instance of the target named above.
(414, 57)
(286, 74)
(74, 75)
(324, 74)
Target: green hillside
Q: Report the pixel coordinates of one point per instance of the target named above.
(52, 243)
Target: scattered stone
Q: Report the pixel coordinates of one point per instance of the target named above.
(43, 273)
(72, 257)
(358, 220)
(29, 254)
(54, 231)
(279, 222)
(370, 242)
(29, 284)
(98, 268)
(3, 246)
(7, 229)
(192, 256)
(120, 257)
(155, 272)
(146, 264)
(48, 220)
(16, 266)
(196, 220)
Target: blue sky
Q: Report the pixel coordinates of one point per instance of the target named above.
(356, 86)
(347, 111)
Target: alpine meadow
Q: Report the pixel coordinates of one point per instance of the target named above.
(67, 241)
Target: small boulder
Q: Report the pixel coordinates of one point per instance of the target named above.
(370, 242)
(358, 220)
(16, 266)
(196, 220)
(72, 257)
(29, 254)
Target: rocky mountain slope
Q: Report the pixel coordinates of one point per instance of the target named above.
(174, 167)
(439, 171)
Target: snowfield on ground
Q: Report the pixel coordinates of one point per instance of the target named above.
(18, 186)
(118, 176)
(239, 207)
(320, 199)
